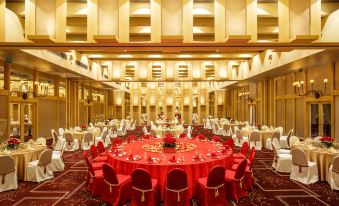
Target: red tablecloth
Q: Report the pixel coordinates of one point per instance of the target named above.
(159, 171)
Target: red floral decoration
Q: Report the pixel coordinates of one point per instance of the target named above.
(169, 141)
(216, 138)
(327, 141)
(182, 135)
(200, 136)
(130, 138)
(259, 127)
(83, 126)
(148, 136)
(13, 141)
(117, 141)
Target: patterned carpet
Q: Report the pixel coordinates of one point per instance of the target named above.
(271, 188)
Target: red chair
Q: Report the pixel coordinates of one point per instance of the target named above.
(229, 142)
(95, 155)
(242, 154)
(95, 179)
(176, 188)
(101, 148)
(234, 181)
(145, 191)
(116, 187)
(211, 190)
(95, 165)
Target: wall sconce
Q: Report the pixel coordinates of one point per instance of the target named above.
(245, 96)
(299, 89)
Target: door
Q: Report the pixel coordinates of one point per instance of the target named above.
(252, 114)
(320, 119)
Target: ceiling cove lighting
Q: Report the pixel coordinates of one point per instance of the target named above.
(94, 56)
(185, 56)
(245, 56)
(125, 56)
(214, 56)
(154, 56)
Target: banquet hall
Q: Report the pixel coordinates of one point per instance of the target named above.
(169, 102)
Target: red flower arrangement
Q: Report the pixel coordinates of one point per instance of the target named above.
(182, 135)
(148, 136)
(327, 141)
(169, 141)
(167, 125)
(130, 138)
(200, 136)
(259, 126)
(83, 126)
(117, 141)
(216, 138)
(13, 143)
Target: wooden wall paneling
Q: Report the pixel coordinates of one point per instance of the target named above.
(46, 122)
(336, 76)
(300, 113)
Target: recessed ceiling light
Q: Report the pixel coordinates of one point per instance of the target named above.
(95, 56)
(215, 56)
(245, 56)
(125, 56)
(154, 56)
(185, 56)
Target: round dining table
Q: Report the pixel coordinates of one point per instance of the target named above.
(23, 156)
(264, 135)
(176, 131)
(158, 169)
(322, 156)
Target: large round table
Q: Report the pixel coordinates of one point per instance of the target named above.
(194, 169)
(264, 135)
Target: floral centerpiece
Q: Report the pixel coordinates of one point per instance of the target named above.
(216, 138)
(130, 138)
(13, 143)
(169, 143)
(200, 136)
(327, 141)
(183, 135)
(259, 126)
(83, 127)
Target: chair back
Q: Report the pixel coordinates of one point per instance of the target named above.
(230, 142)
(89, 163)
(252, 154)
(335, 165)
(114, 128)
(276, 134)
(45, 158)
(110, 175)
(69, 137)
(238, 134)
(281, 130)
(61, 131)
(104, 135)
(101, 147)
(276, 143)
(55, 136)
(255, 136)
(94, 151)
(216, 176)
(240, 172)
(141, 184)
(7, 166)
(244, 149)
(41, 141)
(153, 133)
(240, 126)
(88, 137)
(275, 152)
(176, 179)
(299, 158)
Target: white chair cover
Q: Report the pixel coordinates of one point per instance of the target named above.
(40, 170)
(57, 141)
(41, 141)
(303, 170)
(281, 162)
(87, 141)
(61, 132)
(255, 140)
(71, 143)
(57, 160)
(8, 177)
(333, 174)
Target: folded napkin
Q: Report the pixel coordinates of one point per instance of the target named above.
(130, 156)
(149, 159)
(173, 159)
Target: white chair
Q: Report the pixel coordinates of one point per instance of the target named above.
(333, 174)
(121, 131)
(102, 137)
(61, 132)
(144, 130)
(87, 141)
(40, 170)
(41, 141)
(281, 130)
(57, 141)
(284, 140)
(255, 140)
(71, 143)
(57, 160)
(303, 170)
(189, 131)
(227, 130)
(8, 176)
(217, 130)
(281, 162)
(239, 139)
(278, 147)
(276, 135)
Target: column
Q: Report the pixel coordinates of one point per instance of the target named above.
(251, 19)
(60, 20)
(124, 21)
(284, 20)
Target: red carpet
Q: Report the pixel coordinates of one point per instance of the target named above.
(272, 188)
